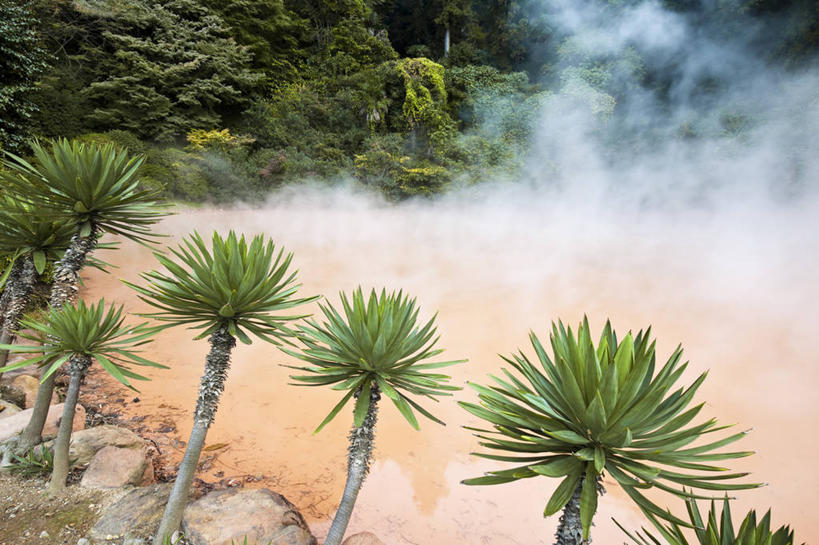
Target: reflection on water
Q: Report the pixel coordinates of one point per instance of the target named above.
(736, 292)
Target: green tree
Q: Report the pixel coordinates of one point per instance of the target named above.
(97, 189)
(600, 408)
(31, 239)
(718, 530)
(230, 291)
(166, 67)
(376, 348)
(23, 59)
(81, 334)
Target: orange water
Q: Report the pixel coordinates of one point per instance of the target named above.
(737, 289)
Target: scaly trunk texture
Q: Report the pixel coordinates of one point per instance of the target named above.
(358, 465)
(78, 366)
(210, 389)
(19, 288)
(5, 297)
(570, 529)
(64, 290)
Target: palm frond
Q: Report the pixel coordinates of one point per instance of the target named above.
(378, 342)
(588, 409)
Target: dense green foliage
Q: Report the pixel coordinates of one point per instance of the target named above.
(593, 408)
(718, 529)
(358, 89)
(378, 344)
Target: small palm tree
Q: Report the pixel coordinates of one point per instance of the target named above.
(594, 409)
(229, 291)
(719, 529)
(96, 188)
(376, 347)
(81, 334)
(30, 241)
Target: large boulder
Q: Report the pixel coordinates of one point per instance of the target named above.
(114, 467)
(29, 385)
(135, 515)
(16, 423)
(86, 443)
(261, 515)
(7, 408)
(363, 538)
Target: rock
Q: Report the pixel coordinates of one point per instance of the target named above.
(134, 516)
(86, 443)
(363, 538)
(261, 515)
(12, 394)
(29, 385)
(83, 541)
(16, 423)
(113, 467)
(7, 409)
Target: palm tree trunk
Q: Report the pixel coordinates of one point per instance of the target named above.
(210, 389)
(78, 367)
(570, 529)
(358, 465)
(5, 297)
(19, 288)
(63, 290)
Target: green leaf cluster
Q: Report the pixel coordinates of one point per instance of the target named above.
(27, 231)
(37, 461)
(232, 284)
(92, 331)
(605, 408)
(377, 343)
(94, 186)
(719, 529)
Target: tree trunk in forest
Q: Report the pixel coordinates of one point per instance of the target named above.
(19, 289)
(77, 367)
(63, 290)
(210, 389)
(358, 465)
(446, 42)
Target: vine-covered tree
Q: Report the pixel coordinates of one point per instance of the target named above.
(23, 59)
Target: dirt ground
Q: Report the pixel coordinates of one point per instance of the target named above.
(30, 516)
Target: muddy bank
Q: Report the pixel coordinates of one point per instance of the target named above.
(735, 297)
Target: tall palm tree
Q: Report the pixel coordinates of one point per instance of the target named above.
(599, 408)
(80, 334)
(719, 529)
(30, 240)
(230, 291)
(376, 348)
(97, 188)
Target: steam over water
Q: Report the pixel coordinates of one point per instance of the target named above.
(737, 289)
(711, 240)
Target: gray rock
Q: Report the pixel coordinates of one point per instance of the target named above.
(134, 516)
(261, 515)
(12, 394)
(86, 443)
(83, 541)
(363, 538)
(16, 423)
(114, 467)
(8, 408)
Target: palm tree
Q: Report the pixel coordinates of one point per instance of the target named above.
(30, 240)
(375, 348)
(80, 334)
(594, 409)
(96, 187)
(229, 291)
(719, 529)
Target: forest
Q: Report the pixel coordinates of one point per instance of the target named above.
(231, 99)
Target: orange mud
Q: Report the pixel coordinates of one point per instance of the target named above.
(739, 294)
